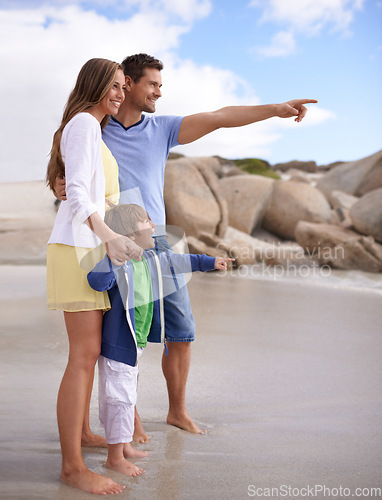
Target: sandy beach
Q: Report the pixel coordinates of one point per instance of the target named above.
(286, 378)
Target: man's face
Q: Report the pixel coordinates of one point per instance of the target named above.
(146, 91)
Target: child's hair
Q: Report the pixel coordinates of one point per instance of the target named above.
(94, 81)
(122, 219)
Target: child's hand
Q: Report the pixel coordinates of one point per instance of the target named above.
(221, 263)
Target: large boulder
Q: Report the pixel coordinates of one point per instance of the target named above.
(342, 203)
(205, 167)
(305, 166)
(241, 246)
(292, 202)
(192, 197)
(339, 247)
(298, 176)
(225, 168)
(366, 214)
(248, 250)
(247, 198)
(356, 177)
(339, 199)
(199, 247)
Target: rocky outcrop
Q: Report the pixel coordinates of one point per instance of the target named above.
(305, 166)
(356, 177)
(292, 202)
(341, 203)
(192, 197)
(339, 247)
(298, 176)
(225, 168)
(198, 246)
(366, 214)
(212, 181)
(247, 198)
(247, 250)
(344, 201)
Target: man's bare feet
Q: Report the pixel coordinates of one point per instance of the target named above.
(130, 452)
(91, 482)
(185, 422)
(124, 466)
(139, 435)
(93, 441)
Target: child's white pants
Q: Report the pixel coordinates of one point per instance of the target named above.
(117, 396)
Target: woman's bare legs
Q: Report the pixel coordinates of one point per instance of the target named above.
(84, 333)
(87, 437)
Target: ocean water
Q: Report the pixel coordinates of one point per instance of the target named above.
(315, 276)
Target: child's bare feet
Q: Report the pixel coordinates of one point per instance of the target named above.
(185, 422)
(124, 466)
(130, 452)
(89, 481)
(93, 441)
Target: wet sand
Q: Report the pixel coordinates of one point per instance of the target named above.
(286, 377)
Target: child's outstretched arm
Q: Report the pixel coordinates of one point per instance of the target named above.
(186, 263)
(221, 263)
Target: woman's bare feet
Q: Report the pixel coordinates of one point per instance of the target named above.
(89, 481)
(185, 422)
(130, 452)
(124, 466)
(93, 441)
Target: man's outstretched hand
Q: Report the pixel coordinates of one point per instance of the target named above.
(294, 108)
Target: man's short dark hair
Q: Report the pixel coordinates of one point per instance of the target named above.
(134, 66)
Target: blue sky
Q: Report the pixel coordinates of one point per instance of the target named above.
(216, 53)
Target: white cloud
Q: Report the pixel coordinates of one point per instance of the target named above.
(189, 88)
(187, 10)
(184, 10)
(42, 52)
(309, 16)
(282, 44)
(305, 18)
(315, 116)
(43, 48)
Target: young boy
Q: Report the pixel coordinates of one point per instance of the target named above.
(136, 315)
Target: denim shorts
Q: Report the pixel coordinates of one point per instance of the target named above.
(179, 321)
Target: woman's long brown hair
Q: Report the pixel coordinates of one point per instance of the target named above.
(94, 81)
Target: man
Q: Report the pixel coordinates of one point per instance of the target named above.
(140, 144)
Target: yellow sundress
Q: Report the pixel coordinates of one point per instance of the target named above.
(67, 266)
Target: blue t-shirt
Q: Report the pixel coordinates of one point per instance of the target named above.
(141, 152)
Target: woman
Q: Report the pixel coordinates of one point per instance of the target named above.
(79, 227)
